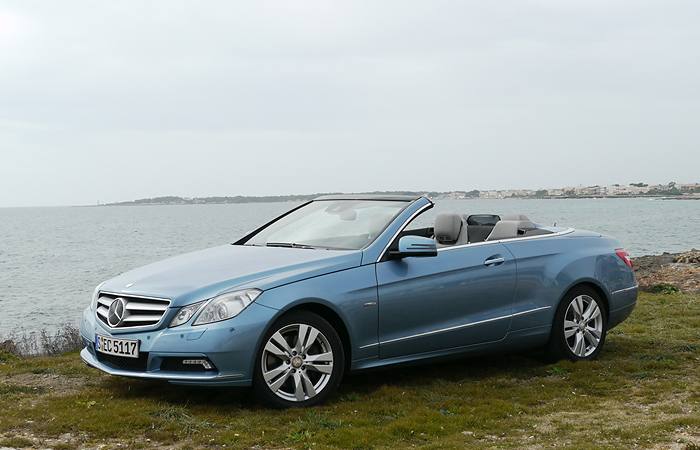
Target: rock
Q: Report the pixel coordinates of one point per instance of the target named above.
(679, 269)
(692, 257)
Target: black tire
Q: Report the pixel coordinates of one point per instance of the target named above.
(293, 372)
(579, 327)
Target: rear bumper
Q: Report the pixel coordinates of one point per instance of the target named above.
(622, 304)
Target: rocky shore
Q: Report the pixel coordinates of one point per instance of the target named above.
(681, 270)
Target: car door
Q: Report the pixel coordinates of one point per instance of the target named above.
(460, 297)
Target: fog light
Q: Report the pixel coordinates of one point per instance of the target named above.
(201, 362)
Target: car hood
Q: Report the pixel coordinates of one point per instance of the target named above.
(204, 274)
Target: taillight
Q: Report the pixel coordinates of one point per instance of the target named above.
(625, 256)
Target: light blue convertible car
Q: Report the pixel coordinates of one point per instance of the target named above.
(356, 282)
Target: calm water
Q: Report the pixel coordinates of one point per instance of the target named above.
(52, 258)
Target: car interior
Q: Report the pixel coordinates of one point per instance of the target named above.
(452, 229)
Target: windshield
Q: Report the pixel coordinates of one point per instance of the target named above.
(330, 224)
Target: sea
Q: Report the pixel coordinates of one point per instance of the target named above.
(52, 258)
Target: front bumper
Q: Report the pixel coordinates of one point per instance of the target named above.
(175, 378)
(230, 346)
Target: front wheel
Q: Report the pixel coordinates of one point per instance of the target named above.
(579, 327)
(300, 362)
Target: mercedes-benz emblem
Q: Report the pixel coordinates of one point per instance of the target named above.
(116, 312)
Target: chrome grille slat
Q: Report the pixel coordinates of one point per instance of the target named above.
(142, 318)
(104, 301)
(131, 306)
(139, 312)
(102, 311)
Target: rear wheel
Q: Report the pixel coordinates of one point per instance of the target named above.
(300, 362)
(579, 327)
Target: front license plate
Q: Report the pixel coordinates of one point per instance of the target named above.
(120, 347)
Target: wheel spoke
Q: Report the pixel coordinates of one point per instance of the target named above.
(309, 341)
(570, 324)
(595, 332)
(274, 373)
(321, 357)
(272, 348)
(301, 337)
(298, 387)
(591, 338)
(578, 307)
(579, 345)
(283, 350)
(310, 391)
(274, 387)
(592, 312)
(323, 362)
(327, 368)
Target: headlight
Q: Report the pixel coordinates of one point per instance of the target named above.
(95, 295)
(227, 306)
(185, 314)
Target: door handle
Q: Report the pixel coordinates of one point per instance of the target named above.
(494, 261)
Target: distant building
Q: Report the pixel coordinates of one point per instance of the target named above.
(688, 187)
(555, 192)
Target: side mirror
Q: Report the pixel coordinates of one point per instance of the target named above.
(415, 246)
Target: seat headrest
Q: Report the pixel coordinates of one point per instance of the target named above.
(504, 229)
(509, 229)
(525, 225)
(515, 216)
(447, 227)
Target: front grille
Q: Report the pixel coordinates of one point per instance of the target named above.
(136, 311)
(121, 362)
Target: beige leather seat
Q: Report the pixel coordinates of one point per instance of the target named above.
(450, 229)
(509, 229)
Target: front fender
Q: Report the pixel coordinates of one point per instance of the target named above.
(351, 295)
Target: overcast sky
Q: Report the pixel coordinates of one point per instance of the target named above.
(118, 100)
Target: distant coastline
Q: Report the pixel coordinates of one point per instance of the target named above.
(658, 192)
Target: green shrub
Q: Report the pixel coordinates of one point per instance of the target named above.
(6, 356)
(664, 288)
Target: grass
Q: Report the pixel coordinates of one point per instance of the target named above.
(643, 392)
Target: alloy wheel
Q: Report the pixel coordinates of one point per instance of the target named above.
(297, 362)
(583, 325)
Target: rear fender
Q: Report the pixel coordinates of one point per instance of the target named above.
(548, 268)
